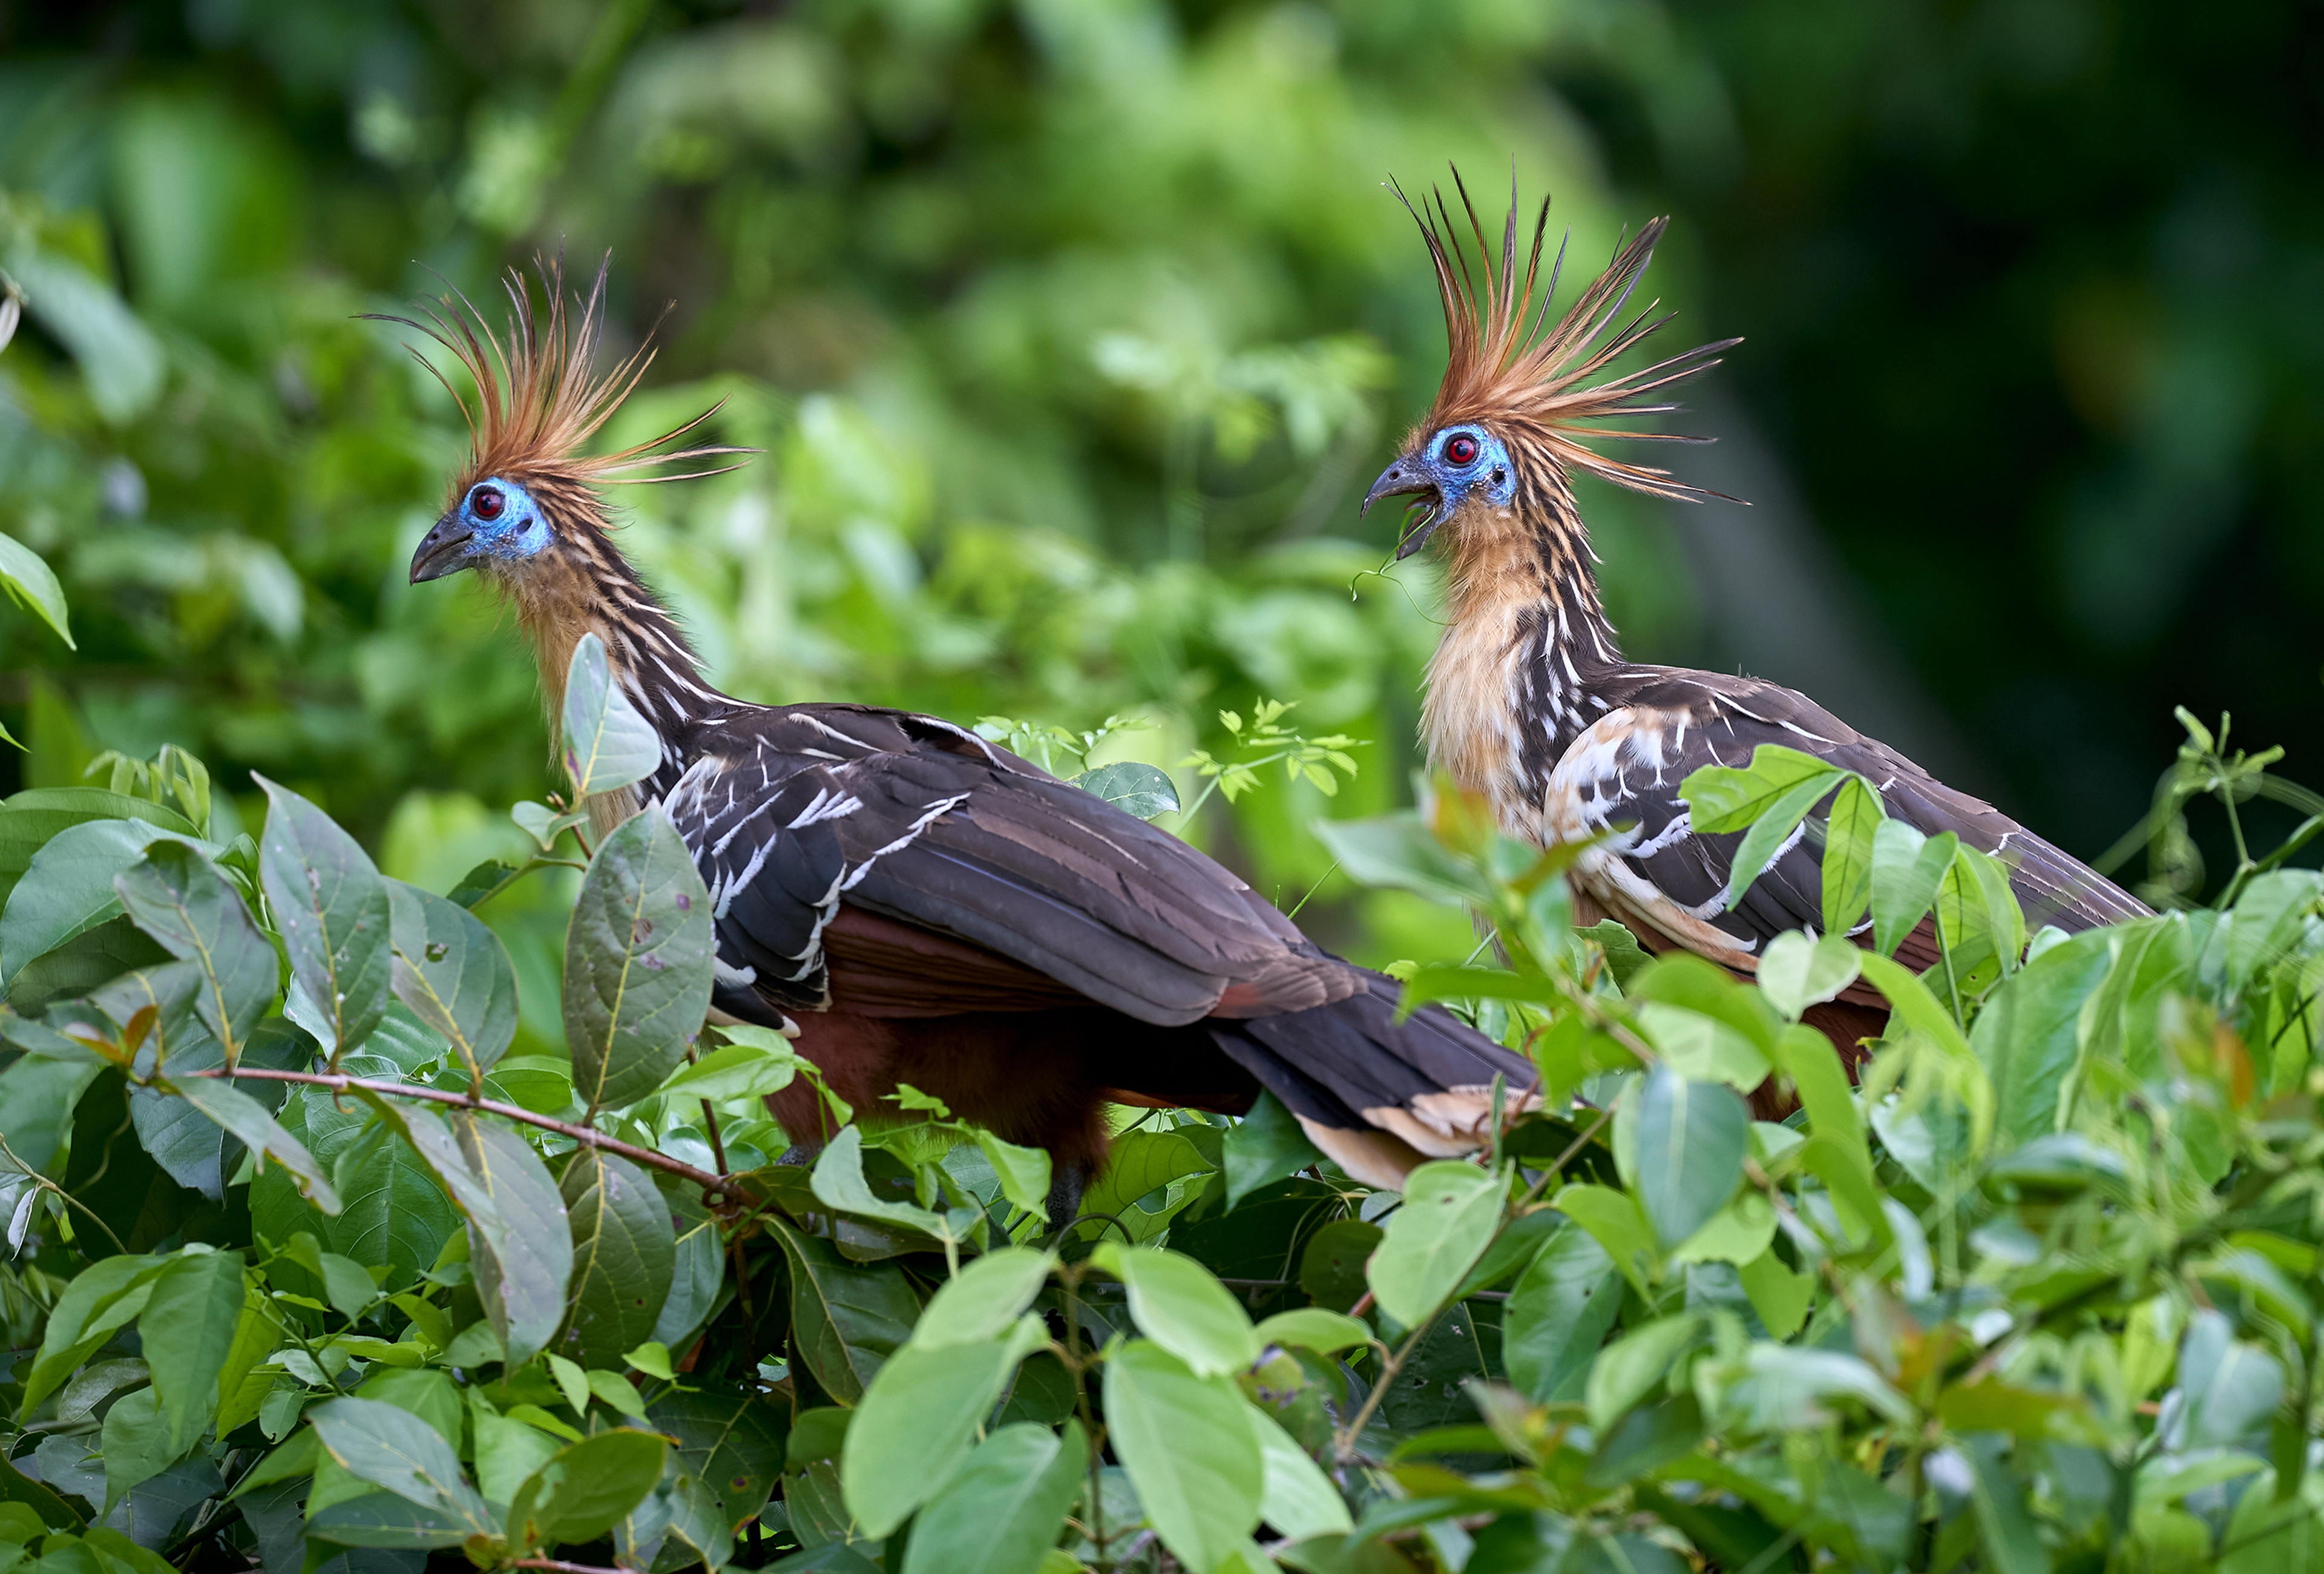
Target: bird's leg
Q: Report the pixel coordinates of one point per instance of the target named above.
(1067, 1183)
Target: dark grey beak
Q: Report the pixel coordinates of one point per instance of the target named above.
(442, 551)
(1406, 475)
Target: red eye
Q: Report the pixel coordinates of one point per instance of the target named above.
(488, 501)
(1462, 451)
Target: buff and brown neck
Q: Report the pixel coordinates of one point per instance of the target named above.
(1525, 639)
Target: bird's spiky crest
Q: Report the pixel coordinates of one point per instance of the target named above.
(1505, 371)
(538, 399)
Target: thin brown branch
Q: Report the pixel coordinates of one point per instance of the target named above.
(710, 1183)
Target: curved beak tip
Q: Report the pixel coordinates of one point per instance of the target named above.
(441, 550)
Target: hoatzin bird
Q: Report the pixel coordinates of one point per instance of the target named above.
(915, 905)
(1530, 701)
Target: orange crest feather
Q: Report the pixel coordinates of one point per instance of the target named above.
(538, 400)
(1502, 371)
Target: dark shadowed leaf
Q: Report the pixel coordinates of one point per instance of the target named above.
(247, 1120)
(1558, 1313)
(454, 974)
(625, 1253)
(1265, 1146)
(733, 1440)
(637, 963)
(698, 1267)
(846, 1319)
(391, 1209)
(177, 897)
(332, 908)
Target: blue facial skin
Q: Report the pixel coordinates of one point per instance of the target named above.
(496, 519)
(1456, 463)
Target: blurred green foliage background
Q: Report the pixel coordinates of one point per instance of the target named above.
(1074, 329)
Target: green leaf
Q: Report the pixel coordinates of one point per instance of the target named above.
(1846, 877)
(625, 1253)
(1637, 1364)
(846, 1319)
(138, 1444)
(1616, 1222)
(698, 1267)
(396, 1452)
(735, 1071)
(454, 974)
(1315, 1327)
(1141, 1162)
(1778, 1295)
(120, 358)
(1023, 1173)
(2006, 1526)
(102, 1300)
(188, 1327)
(587, 1488)
(521, 1251)
(1142, 790)
(1906, 868)
(917, 1422)
(1398, 851)
(838, 1181)
(392, 1211)
(637, 963)
(607, 744)
(1000, 1511)
(1980, 913)
(2028, 1034)
(1188, 1451)
(732, 1441)
(1691, 1140)
(68, 890)
(1725, 798)
(177, 897)
(984, 1299)
(1798, 972)
(32, 583)
(1558, 1313)
(1263, 1147)
(1450, 1213)
(245, 1119)
(1295, 1497)
(1768, 833)
(332, 908)
(1182, 1307)
(507, 1451)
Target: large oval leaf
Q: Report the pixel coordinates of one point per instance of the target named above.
(454, 975)
(1558, 1313)
(846, 1319)
(1000, 1513)
(178, 897)
(521, 1254)
(637, 963)
(332, 909)
(1189, 1451)
(624, 1252)
(917, 1423)
(1450, 1213)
